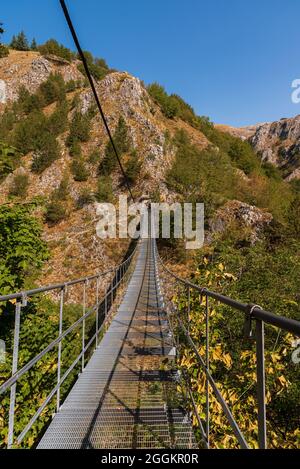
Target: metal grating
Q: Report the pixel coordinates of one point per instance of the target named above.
(126, 397)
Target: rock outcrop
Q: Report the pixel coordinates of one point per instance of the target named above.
(245, 215)
(279, 143)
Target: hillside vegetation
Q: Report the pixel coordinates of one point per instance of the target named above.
(56, 162)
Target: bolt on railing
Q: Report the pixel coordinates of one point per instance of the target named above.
(120, 275)
(252, 313)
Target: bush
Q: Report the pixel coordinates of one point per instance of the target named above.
(94, 157)
(58, 121)
(53, 47)
(97, 67)
(79, 169)
(53, 89)
(56, 208)
(19, 185)
(85, 198)
(9, 160)
(79, 129)
(48, 151)
(104, 191)
(27, 102)
(133, 168)
(168, 104)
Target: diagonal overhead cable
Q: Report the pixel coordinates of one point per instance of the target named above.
(87, 71)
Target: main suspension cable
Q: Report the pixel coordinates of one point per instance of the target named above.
(87, 71)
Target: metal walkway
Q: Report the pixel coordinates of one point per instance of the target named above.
(126, 396)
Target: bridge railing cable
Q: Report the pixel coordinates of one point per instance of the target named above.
(94, 91)
(99, 312)
(255, 319)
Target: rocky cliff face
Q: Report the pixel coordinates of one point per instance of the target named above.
(279, 143)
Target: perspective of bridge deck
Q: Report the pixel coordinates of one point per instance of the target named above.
(127, 397)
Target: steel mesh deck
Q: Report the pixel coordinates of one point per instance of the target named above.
(126, 397)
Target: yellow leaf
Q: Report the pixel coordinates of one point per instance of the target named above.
(221, 267)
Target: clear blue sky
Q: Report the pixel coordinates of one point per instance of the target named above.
(233, 60)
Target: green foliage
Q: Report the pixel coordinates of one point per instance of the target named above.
(3, 49)
(94, 157)
(9, 160)
(201, 175)
(57, 122)
(20, 42)
(133, 167)
(52, 47)
(53, 89)
(79, 169)
(47, 152)
(28, 102)
(122, 142)
(241, 153)
(33, 45)
(79, 129)
(56, 209)
(97, 67)
(104, 190)
(85, 198)
(168, 104)
(22, 249)
(19, 185)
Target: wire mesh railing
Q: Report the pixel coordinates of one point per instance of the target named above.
(89, 327)
(254, 319)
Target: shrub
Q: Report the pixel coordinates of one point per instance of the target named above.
(9, 160)
(28, 102)
(85, 198)
(53, 89)
(27, 132)
(3, 49)
(19, 185)
(97, 67)
(168, 104)
(79, 129)
(56, 208)
(133, 167)
(104, 190)
(94, 157)
(58, 121)
(53, 47)
(47, 152)
(79, 169)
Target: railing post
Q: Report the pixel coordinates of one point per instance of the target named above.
(188, 308)
(61, 307)
(207, 366)
(12, 401)
(97, 310)
(83, 324)
(261, 384)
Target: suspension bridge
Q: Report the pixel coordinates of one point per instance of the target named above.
(127, 393)
(130, 391)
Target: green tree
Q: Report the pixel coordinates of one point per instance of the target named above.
(3, 49)
(104, 190)
(133, 167)
(22, 249)
(33, 45)
(56, 209)
(52, 47)
(20, 42)
(79, 129)
(53, 89)
(79, 169)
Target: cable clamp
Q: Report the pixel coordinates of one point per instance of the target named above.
(248, 330)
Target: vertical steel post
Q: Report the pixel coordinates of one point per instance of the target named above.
(83, 324)
(97, 310)
(261, 384)
(207, 366)
(188, 309)
(12, 401)
(61, 307)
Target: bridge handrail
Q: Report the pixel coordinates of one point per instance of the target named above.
(287, 324)
(120, 274)
(253, 313)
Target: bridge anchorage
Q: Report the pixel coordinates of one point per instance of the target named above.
(130, 392)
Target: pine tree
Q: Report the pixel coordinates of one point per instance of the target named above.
(3, 49)
(20, 42)
(33, 45)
